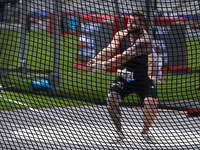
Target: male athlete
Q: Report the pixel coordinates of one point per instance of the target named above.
(135, 45)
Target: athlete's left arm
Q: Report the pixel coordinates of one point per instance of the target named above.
(116, 61)
(149, 73)
(142, 46)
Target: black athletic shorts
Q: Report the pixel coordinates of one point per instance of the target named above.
(142, 89)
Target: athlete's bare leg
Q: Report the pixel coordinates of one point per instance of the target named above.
(113, 101)
(149, 115)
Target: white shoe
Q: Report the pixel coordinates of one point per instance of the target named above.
(118, 138)
(148, 138)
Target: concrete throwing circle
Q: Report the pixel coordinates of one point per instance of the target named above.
(89, 127)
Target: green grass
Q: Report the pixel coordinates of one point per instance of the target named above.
(39, 50)
(79, 83)
(193, 52)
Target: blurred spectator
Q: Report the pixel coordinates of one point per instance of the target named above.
(3, 3)
(2, 9)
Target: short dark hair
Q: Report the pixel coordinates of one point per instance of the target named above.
(140, 14)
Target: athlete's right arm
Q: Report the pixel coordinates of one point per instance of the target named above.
(107, 52)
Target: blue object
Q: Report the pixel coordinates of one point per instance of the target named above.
(41, 85)
(72, 22)
(39, 14)
(130, 80)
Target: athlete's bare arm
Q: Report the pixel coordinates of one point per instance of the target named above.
(141, 46)
(150, 67)
(107, 52)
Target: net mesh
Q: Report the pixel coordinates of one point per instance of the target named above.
(55, 96)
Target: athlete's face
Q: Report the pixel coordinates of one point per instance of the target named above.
(134, 24)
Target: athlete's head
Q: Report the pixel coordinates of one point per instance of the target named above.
(135, 22)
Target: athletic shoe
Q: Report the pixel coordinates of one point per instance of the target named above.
(148, 138)
(118, 138)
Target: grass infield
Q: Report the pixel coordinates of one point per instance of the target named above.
(77, 82)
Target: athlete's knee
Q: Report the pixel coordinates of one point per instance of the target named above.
(113, 107)
(150, 103)
(113, 98)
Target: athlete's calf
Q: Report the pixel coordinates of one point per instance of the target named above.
(113, 101)
(150, 105)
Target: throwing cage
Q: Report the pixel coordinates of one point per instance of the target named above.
(50, 101)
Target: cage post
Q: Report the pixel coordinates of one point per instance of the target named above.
(55, 75)
(150, 18)
(118, 15)
(23, 37)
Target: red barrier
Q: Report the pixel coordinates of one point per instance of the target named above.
(193, 112)
(175, 68)
(50, 24)
(169, 20)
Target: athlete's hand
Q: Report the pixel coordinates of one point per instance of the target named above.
(89, 64)
(97, 66)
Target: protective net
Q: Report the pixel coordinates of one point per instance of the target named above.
(99, 74)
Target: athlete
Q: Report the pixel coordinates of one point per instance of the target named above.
(135, 46)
